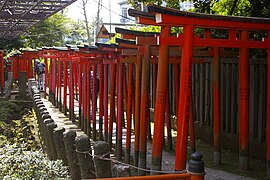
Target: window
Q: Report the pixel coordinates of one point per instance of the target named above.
(104, 32)
(124, 12)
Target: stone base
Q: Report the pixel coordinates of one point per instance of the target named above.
(243, 163)
(217, 158)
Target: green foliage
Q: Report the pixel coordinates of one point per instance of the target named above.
(10, 105)
(204, 6)
(18, 163)
(231, 7)
(147, 28)
(17, 132)
(57, 30)
(5, 114)
(136, 3)
(260, 8)
(3, 139)
(8, 110)
(254, 8)
(77, 33)
(113, 39)
(14, 126)
(21, 160)
(169, 3)
(10, 44)
(49, 32)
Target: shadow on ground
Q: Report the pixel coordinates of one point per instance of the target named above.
(229, 161)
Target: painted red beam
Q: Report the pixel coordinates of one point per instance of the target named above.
(142, 17)
(173, 17)
(202, 42)
(164, 19)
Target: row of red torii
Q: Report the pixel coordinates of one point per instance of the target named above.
(158, 49)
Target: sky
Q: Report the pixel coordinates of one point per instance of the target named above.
(75, 12)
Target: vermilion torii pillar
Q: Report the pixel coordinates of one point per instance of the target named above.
(244, 103)
(160, 104)
(184, 98)
(187, 20)
(216, 107)
(268, 108)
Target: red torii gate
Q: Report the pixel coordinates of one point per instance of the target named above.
(27, 65)
(142, 111)
(167, 18)
(22, 62)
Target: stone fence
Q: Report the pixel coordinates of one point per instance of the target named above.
(75, 151)
(85, 159)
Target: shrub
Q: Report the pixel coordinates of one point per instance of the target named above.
(18, 163)
(8, 110)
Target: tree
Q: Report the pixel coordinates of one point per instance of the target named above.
(10, 44)
(169, 3)
(260, 8)
(94, 25)
(253, 8)
(77, 34)
(232, 7)
(83, 7)
(50, 32)
(98, 18)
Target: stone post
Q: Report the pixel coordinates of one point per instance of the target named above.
(30, 84)
(40, 106)
(59, 144)
(46, 139)
(8, 85)
(50, 130)
(74, 169)
(41, 124)
(37, 101)
(103, 167)
(84, 153)
(22, 84)
(44, 116)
